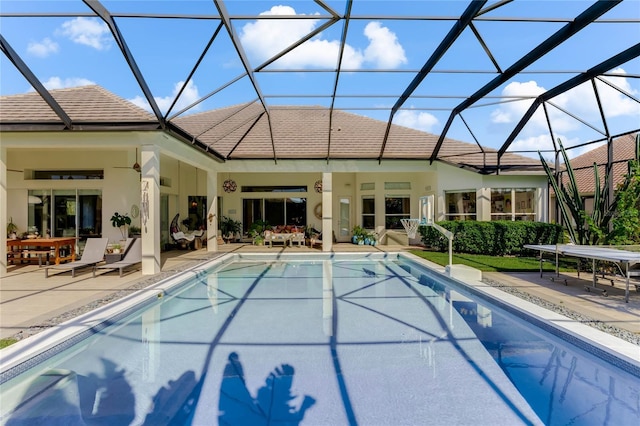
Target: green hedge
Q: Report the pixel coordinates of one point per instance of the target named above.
(496, 238)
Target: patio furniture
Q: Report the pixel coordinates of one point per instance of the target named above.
(271, 237)
(297, 237)
(185, 240)
(93, 253)
(625, 260)
(42, 246)
(132, 257)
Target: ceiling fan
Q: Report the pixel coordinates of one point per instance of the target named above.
(136, 166)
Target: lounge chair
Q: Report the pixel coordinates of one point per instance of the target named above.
(132, 256)
(93, 253)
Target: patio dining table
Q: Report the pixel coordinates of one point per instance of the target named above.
(45, 244)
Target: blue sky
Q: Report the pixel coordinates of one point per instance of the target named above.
(68, 51)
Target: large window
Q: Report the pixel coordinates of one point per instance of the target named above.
(368, 212)
(396, 208)
(275, 211)
(513, 204)
(65, 213)
(460, 205)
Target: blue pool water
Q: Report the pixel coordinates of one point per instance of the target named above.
(375, 340)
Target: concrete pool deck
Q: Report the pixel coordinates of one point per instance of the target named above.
(29, 303)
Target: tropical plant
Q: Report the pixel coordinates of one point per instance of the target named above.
(592, 228)
(121, 222)
(626, 222)
(229, 227)
(362, 236)
(12, 228)
(256, 230)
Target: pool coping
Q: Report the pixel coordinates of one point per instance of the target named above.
(23, 354)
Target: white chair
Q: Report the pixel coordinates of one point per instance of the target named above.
(132, 257)
(93, 253)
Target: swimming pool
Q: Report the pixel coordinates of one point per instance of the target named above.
(321, 339)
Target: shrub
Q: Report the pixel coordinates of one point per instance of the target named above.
(496, 238)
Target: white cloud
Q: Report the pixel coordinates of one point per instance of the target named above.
(189, 95)
(60, 83)
(500, 115)
(512, 111)
(580, 101)
(43, 48)
(615, 103)
(384, 50)
(542, 142)
(415, 120)
(265, 38)
(87, 31)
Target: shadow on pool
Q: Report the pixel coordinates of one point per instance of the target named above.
(272, 403)
(62, 397)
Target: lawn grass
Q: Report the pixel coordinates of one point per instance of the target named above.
(7, 342)
(490, 263)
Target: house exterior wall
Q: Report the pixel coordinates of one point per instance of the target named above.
(183, 172)
(120, 187)
(113, 152)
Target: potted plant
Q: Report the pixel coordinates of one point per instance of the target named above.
(115, 248)
(256, 230)
(135, 231)
(229, 227)
(121, 222)
(12, 229)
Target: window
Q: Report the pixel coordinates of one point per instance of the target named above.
(513, 204)
(368, 186)
(274, 188)
(460, 205)
(68, 174)
(396, 208)
(397, 185)
(368, 212)
(274, 211)
(65, 213)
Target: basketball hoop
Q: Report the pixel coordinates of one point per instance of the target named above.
(411, 226)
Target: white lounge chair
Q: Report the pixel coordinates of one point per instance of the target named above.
(93, 253)
(132, 256)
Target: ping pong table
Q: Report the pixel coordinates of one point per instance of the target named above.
(627, 259)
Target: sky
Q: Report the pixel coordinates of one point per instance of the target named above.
(381, 58)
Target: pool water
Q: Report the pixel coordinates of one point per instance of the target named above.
(374, 340)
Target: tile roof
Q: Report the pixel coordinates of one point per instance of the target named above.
(243, 131)
(623, 150)
(85, 104)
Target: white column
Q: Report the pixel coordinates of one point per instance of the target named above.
(483, 204)
(150, 209)
(327, 209)
(3, 211)
(212, 210)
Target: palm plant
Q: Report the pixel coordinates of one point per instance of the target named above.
(229, 227)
